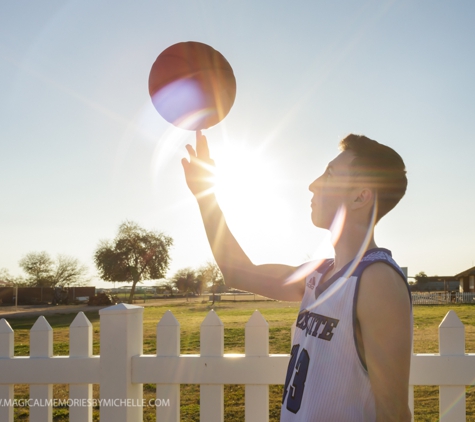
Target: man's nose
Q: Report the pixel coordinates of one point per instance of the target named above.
(313, 185)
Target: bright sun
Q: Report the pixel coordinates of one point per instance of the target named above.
(242, 174)
(249, 191)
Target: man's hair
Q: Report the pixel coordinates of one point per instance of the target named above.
(381, 167)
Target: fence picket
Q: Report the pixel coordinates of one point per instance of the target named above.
(257, 344)
(212, 344)
(451, 342)
(80, 345)
(121, 338)
(41, 346)
(411, 401)
(168, 344)
(6, 351)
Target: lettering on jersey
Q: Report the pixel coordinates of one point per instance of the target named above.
(314, 324)
(311, 283)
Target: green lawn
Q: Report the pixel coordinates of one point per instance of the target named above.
(279, 315)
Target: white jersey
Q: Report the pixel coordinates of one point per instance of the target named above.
(326, 379)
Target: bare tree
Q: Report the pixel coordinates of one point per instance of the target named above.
(11, 280)
(212, 277)
(39, 268)
(69, 271)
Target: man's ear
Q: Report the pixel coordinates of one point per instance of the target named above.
(363, 197)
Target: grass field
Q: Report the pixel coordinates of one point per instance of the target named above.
(279, 315)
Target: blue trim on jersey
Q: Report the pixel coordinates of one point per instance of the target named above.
(362, 265)
(321, 287)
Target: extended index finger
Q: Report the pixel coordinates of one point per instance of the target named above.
(202, 149)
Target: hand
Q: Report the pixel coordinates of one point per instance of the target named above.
(199, 170)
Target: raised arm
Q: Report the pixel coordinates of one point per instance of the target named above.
(384, 317)
(238, 270)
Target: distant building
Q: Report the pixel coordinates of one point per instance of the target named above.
(437, 284)
(466, 280)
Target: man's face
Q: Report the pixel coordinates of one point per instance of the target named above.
(331, 190)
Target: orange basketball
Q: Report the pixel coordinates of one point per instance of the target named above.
(192, 85)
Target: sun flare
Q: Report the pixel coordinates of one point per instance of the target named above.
(247, 188)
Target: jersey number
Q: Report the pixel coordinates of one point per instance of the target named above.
(300, 367)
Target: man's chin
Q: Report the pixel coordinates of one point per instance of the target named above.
(320, 224)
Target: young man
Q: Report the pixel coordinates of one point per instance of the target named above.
(351, 350)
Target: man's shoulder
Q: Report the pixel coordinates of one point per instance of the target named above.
(381, 270)
(380, 275)
(382, 280)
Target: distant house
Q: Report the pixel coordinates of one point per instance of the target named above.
(437, 284)
(467, 280)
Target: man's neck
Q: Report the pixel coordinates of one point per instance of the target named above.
(353, 240)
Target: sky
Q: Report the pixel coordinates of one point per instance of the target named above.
(82, 149)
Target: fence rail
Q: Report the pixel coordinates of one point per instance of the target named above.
(236, 297)
(122, 369)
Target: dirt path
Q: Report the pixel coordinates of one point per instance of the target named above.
(37, 310)
(27, 311)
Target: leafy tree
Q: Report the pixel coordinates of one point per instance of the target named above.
(39, 268)
(200, 283)
(134, 255)
(187, 280)
(420, 283)
(168, 286)
(421, 278)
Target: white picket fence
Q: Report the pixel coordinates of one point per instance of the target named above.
(122, 369)
(441, 298)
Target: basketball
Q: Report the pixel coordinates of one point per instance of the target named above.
(192, 85)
